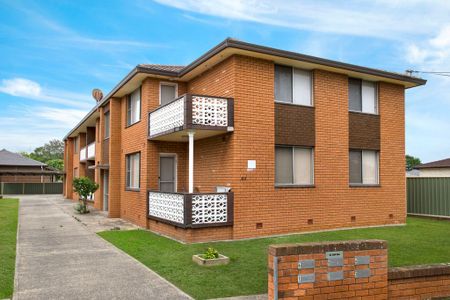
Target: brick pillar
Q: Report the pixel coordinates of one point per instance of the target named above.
(68, 168)
(115, 158)
(330, 270)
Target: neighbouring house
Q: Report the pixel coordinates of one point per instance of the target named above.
(247, 141)
(438, 168)
(15, 168)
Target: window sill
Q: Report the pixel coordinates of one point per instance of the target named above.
(361, 185)
(363, 113)
(128, 126)
(294, 104)
(294, 186)
(128, 189)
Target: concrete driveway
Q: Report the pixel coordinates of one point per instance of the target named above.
(59, 258)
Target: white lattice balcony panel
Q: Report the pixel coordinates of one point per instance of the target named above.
(91, 151)
(167, 206)
(191, 210)
(83, 154)
(208, 115)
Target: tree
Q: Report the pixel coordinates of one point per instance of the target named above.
(57, 164)
(411, 162)
(84, 187)
(54, 149)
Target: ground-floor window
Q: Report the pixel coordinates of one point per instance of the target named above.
(294, 165)
(133, 170)
(364, 167)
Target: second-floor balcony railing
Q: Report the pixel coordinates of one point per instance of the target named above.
(88, 152)
(208, 115)
(83, 154)
(91, 150)
(191, 210)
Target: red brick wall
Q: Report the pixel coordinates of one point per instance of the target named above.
(420, 282)
(287, 270)
(413, 282)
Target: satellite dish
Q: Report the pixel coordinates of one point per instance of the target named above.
(97, 94)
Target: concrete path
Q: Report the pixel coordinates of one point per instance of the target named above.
(59, 258)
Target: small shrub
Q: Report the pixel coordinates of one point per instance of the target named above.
(211, 253)
(84, 187)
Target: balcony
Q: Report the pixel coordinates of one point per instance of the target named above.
(88, 153)
(191, 210)
(206, 115)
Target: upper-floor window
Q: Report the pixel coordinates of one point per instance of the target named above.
(167, 92)
(133, 170)
(134, 107)
(293, 85)
(107, 124)
(76, 145)
(362, 96)
(294, 165)
(363, 167)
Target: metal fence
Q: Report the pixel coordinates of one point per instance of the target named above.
(13, 188)
(428, 195)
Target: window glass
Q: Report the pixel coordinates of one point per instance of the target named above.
(168, 93)
(370, 167)
(355, 166)
(369, 97)
(132, 170)
(303, 166)
(283, 165)
(134, 107)
(354, 94)
(302, 87)
(283, 83)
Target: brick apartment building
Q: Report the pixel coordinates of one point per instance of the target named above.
(247, 141)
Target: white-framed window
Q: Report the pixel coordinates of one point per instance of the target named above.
(134, 107)
(133, 165)
(168, 91)
(293, 85)
(362, 96)
(294, 165)
(364, 167)
(107, 124)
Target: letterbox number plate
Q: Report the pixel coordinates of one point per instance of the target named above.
(339, 275)
(364, 273)
(362, 260)
(334, 254)
(306, 278)
(307, 264)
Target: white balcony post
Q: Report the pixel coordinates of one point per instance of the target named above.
(191, 161)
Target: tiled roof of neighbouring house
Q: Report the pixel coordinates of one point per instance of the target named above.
(164, 68)
(8, 158)
(443, 163)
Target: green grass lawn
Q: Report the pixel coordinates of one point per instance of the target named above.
(422, 241)
(8, 230)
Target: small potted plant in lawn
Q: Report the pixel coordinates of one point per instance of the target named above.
(84, 187)
(210, 258)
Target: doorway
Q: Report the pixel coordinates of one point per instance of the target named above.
(168, 173)
(105, 190)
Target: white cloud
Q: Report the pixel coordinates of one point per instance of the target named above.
(25, 88)
(382, 19)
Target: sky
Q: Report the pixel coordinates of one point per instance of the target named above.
(53, 53)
